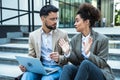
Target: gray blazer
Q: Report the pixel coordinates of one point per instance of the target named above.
(35, 44)
(99, 52)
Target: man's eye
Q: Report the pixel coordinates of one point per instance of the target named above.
(53, 19)
(77, 21)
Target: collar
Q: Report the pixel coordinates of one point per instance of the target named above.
(84, 37)
(50, 33)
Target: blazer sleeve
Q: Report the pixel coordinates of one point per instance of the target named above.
(62, 59)
(75, 56)
(100, 54)
(31, 50)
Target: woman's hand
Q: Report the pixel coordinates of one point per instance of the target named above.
(87, 45)
(64, 45)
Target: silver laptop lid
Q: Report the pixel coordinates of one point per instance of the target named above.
(34, 65)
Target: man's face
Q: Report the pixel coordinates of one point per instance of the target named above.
(51, 21)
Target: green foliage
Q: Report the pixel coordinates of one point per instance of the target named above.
(117, 18)
(88, 1)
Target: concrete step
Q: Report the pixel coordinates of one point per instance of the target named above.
(115, 65)
(25, 41)
(9, 72)
(22, 40)
(114, 54)
(114, 44)
(13, 47)
(25, 34)
(9, 57)
(117, 78)
(112, 33)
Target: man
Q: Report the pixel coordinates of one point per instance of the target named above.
(103, 21)
(44, 44)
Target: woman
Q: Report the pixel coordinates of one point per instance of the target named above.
(89, 49)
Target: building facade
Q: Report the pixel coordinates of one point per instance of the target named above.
(26, 12)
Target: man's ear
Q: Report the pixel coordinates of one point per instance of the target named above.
(42, 18)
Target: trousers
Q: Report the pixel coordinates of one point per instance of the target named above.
(34, 76)
(85, 71)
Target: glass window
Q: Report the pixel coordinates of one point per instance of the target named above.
(23, 4)
(11, 22)
(37, 19)
(24, 19)
(37, 5)
(10, 4)
(67, 12)
(9, 15)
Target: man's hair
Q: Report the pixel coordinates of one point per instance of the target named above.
(45, 10)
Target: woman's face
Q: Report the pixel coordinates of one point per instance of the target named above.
(80, 24)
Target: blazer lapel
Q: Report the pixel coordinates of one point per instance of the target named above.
(81, 55)
(39, 42)
(79, 46)
(93, 36)
(80, 43)
(54, 39)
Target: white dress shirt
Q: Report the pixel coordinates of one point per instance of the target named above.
(85, 39)
(46, 48)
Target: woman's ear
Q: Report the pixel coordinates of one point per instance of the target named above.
(88, 21)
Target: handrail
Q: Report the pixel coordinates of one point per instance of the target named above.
(18, 9)
(13, 17)
(18, 15)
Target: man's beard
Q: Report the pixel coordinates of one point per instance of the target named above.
(50, 27)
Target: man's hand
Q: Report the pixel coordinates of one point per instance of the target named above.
(64, 45)
(22, 68)
(54, 56)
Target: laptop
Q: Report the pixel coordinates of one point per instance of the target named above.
(34, 65)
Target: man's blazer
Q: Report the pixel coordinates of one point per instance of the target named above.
(35, 43)
(98, 52)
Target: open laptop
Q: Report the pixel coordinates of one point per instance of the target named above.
(35, 65)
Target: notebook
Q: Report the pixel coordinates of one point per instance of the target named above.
(34, 65)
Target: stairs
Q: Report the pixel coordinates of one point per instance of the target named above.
(114, 57)
(9, 69)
